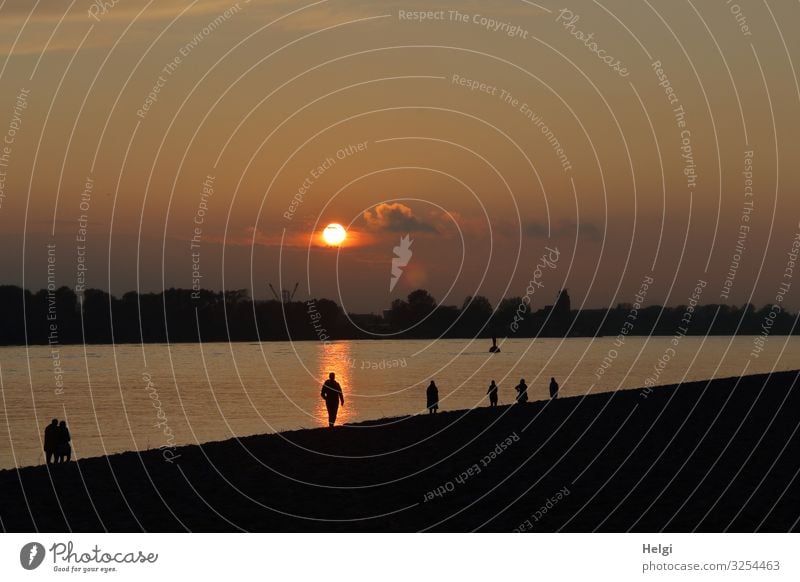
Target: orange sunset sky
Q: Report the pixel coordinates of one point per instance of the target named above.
(247, 127)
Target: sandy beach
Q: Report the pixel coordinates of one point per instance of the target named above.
(704, 456)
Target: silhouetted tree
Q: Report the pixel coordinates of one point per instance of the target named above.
(97, 306)
(181, 315)
(399, 314)
(563, 305)
(475, 314)
(420, 304)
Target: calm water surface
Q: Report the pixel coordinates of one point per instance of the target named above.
(119, 398)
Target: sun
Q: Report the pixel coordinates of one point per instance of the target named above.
(334, 234)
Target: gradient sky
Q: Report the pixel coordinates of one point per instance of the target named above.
(272, 90)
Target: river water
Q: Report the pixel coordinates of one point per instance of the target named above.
(132, 397)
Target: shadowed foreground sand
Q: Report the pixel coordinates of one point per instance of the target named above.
(706, 456)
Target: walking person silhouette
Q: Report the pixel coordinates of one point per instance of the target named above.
(492, 392)
(51, 442)
(64, 450)
(432, 394)
(553, 388)
(522, 391)
(332, 395)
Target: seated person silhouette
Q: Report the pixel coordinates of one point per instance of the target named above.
(64, 450)
(492, 392)
(432, 394)
(51, 441)
(553, 388)
(332, 395)
(522, 391)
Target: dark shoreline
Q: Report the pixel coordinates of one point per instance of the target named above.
(706, 456)
(481, 340)
(62, 317)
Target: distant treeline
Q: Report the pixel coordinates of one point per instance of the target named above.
(182, 315)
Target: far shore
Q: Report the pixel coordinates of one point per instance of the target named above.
(720, 455)
(487, 340)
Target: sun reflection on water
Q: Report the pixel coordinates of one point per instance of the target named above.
(336, 357)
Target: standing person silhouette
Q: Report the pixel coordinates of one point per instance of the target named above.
(492, 392)
(332, 395)
(51, 442)
(553, 388)
(433, 398)
(522, 391)
(64, 450)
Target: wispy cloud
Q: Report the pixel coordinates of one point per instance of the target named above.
(26, 30)
(73, 20)
(56, 26)
(16, 12)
